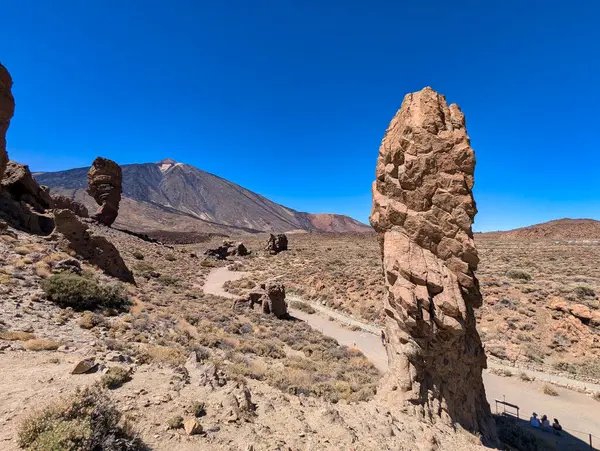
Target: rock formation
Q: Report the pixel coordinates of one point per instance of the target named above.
(270, 297)
(105, 184)
(23, 202)
(7, 109)
(423, 209)
(63, 202)
(227, 249)
(94, 248)
(277, 243)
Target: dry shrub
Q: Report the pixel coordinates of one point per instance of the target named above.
(40, 344)
(163, 354)
(114, 377)
(90, 320)
(42, 269)
(87, 420)
(16, 335)
(550, 390)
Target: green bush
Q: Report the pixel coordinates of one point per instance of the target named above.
(84, 293)
(303, 307)
(85, 421)
(583, 291)
(114, 377)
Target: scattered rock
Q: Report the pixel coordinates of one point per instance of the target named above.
(423, 209)
(7, 109)
(277, 244)
(85, 366)
(66, 203)
(68, 264)
(270, 296)
(105, 180)
(192, 426)
(582, 312)
(227, 249)
(95, 249)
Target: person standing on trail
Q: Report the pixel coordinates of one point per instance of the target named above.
(382, 337)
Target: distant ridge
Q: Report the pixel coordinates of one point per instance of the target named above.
(559, 229)
(177, 197)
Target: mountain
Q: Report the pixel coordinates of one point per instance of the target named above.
(173, 196)
(559, 229)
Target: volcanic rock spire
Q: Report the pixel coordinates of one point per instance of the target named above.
(105, 184)
(7, 109)
(423, 209)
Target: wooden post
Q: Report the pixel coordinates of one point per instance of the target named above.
(591, 446)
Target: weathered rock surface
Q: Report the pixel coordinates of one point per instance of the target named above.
(423, 208)
(277, 243)
(23, 202)
(227, 249)
(63, 202)
(7, 109)
(105, 184)
(270, 297)
(94, 248)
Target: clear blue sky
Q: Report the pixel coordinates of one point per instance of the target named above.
(290, 98)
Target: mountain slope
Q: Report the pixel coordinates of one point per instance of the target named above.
(176, 196)
(559, 229)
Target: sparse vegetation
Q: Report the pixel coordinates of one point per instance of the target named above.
(303, 306)
(549, 390)
(518, 274)
(114, 377)
(175, 423)
(85, 421)
(137, 255)
(84, 293)
(40, 344)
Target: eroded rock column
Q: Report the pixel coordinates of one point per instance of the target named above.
(7, 109)
(105, 184)
(423, 208)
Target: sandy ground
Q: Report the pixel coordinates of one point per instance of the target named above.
(576, 411)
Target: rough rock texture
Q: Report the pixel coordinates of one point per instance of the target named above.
(227, 249)
(105, 181)
(63, 202)
(277, 243)
(95, 249)
(423, 209)
(270, 296)
(7, 109)
(23, 202)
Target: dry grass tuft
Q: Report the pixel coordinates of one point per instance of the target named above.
(41, 344)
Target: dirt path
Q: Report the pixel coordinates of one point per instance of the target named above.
(576, 411)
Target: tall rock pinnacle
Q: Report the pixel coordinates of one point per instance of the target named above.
(105, 184)
(423, 209)
(7, 109)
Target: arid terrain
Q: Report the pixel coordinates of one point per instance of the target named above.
(541, 306)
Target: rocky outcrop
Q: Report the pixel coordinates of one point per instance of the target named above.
(227, 249)
(277, 243)
(105, 184)
(270, 297)
(23, 202)
(96, 249)
(63, 202)
(423, 208)
(7, 109)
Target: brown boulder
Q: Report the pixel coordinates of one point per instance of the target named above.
(583, 312)
(7, 109)
(423, 209)
(277, 243)
(66, 203)
(97, 250)
(105, 184)
(270, 297)
(23, 202)
(227, 249)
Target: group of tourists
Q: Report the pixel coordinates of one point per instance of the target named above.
(544, 423)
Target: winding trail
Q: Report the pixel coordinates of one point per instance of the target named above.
(576, 411)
